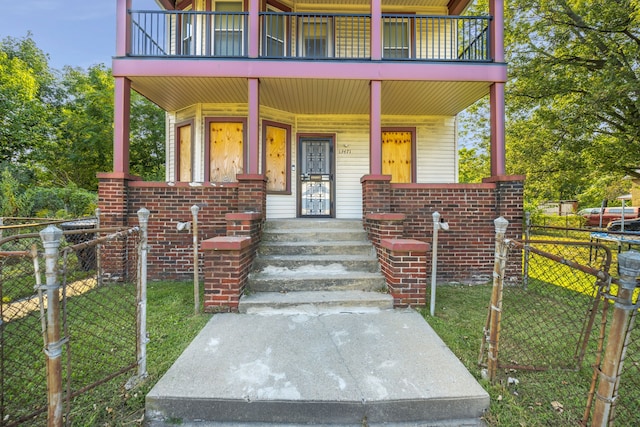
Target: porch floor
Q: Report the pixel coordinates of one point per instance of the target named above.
(365, 366)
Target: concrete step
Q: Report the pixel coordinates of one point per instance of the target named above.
(314, 278)
(321, 248)
(386, 367)
(312, 235)
(315, 223)
(315, 302)
(316, 262)
(315, 255)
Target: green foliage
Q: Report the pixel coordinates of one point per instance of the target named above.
(21, 200)
(8, 190)
(56, 128)
(147, 139)
(474, 165)
(572, 101)
(84, 135)
(71, 202)
(25, 82)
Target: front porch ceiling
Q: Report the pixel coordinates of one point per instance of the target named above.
(314, 96)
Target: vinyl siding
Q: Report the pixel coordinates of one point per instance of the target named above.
(435, 152)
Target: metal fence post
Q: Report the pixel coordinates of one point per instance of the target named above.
(527, 236)
(53, 350)
(143, 219)
(434, 262)
(499, 267)
(609, 376)
(98, 247)
(196, 285)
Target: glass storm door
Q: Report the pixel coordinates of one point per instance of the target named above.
(316, 177)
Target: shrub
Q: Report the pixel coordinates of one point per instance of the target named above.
(70, 202)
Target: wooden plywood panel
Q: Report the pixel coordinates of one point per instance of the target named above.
(396, 155)
(226, 151)
(184, 142)
(276, 158)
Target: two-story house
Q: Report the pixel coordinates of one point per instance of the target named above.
(313, 108)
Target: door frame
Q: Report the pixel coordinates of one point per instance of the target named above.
(300, 138)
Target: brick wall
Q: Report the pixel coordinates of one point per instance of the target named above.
(171, 251)
(403, 264)
(227, 260)
(466, 251)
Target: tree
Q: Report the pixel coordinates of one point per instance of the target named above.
(573, 97)
(84, 128)
(26, 86)
(147, 139)
(83, 144)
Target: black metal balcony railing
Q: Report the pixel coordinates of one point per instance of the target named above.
(309, 35)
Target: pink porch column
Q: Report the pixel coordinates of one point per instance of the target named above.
(496, 94)
(496, 10)
(254, 122)
(123, 27)
(375, 129)
(254, 28)
(121, 115)
(376, 30)
(496, 97)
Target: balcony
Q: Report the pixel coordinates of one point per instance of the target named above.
(309, 36)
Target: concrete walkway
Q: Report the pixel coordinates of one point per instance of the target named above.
(308, 366)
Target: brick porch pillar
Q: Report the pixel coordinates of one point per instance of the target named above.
(252, 193)
(509, 204)
(376, 195)
(113, 204)
(404, 265)
(227, 260)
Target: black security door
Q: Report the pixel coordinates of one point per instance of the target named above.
(316, 181)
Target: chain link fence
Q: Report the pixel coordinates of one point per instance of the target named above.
(72, 308)
(561, 321)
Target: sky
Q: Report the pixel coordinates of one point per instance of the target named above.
(79, 33)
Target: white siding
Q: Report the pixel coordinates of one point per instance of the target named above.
(436, 148)
(170, 147)
(436, 157)
(281, 205)
(351, 155)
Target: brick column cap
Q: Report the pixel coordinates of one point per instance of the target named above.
(251, 177)
(243, 216)
(386, 216)
(118, 175)
(504, 178)
(405, 245)
(366, 178)
(226, 243)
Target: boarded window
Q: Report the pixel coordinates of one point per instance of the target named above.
(226, 151)
(276, 167)
(184, 153)
(397, 148)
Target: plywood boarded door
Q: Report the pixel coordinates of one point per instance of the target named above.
(276, 168)
(397, 150)
(184, 153)
(226, 155)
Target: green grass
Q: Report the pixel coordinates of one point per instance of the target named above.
(171, 326)
(461, 313)
(95, 317)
